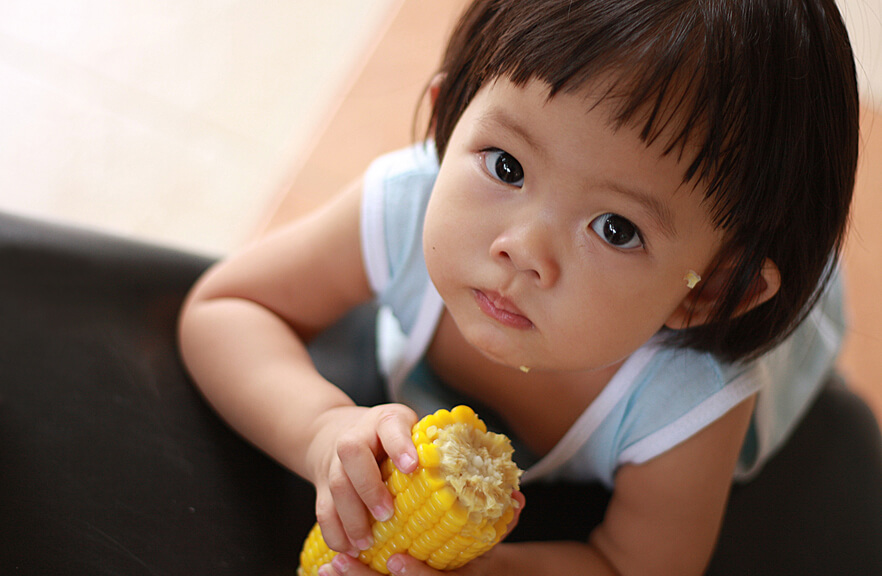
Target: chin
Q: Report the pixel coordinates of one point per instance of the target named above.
(494, 346)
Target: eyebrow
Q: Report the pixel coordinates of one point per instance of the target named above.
(499, 118)
(659, 211)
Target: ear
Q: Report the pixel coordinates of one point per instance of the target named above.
(696, 308)
(432, 91)
(435, 87)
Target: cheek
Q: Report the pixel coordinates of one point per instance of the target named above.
(615, 317)
(442, 247)
(455, 227)
(437, 263)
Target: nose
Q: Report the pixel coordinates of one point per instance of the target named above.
(529, 248)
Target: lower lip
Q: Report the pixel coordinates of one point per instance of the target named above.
(502, 316)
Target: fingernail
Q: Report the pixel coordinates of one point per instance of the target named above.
(340, 564)
(395, 564)
(364, 543)
(324, 570)
(382, 513)
(406, 462)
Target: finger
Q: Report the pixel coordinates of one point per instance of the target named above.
(350, 509)
(332, 528)
(350, 566)
(394, 426)
(518, 496)
(404, 564)
(360, 467)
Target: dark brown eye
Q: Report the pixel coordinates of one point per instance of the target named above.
(617, 231)
(504, 167)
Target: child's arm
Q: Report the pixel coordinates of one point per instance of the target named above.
(663, 519)
(665, 515)
(242, 333)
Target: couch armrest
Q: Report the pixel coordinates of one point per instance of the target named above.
(111, 461)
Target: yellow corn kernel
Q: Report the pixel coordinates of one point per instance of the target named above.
(454, 507)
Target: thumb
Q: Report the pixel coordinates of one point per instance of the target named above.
(394, 425)
(521, 501)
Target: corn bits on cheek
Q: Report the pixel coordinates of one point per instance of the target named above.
(454, 507)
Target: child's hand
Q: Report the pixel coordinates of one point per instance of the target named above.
(402, 564)
(349, 487)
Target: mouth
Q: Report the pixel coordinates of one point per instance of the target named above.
(499, 308)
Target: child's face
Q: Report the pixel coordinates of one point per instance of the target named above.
(556, 241)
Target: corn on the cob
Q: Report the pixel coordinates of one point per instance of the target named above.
(454, 507)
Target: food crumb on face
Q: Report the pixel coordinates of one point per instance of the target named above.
(692, 279)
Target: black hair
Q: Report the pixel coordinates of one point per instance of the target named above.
(764, 90)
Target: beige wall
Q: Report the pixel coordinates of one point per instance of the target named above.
(862, 355)
(864, 21)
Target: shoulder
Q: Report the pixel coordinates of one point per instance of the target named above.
(415, 163)
(658, 399)
(396, 190)
(678, 394)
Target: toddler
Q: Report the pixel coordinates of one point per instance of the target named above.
(618, 243)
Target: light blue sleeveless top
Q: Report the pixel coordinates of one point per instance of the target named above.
(657, 399)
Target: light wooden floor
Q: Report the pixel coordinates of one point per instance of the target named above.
(170, 121)
(377, 116)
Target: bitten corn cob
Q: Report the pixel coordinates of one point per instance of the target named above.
(454, 507)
